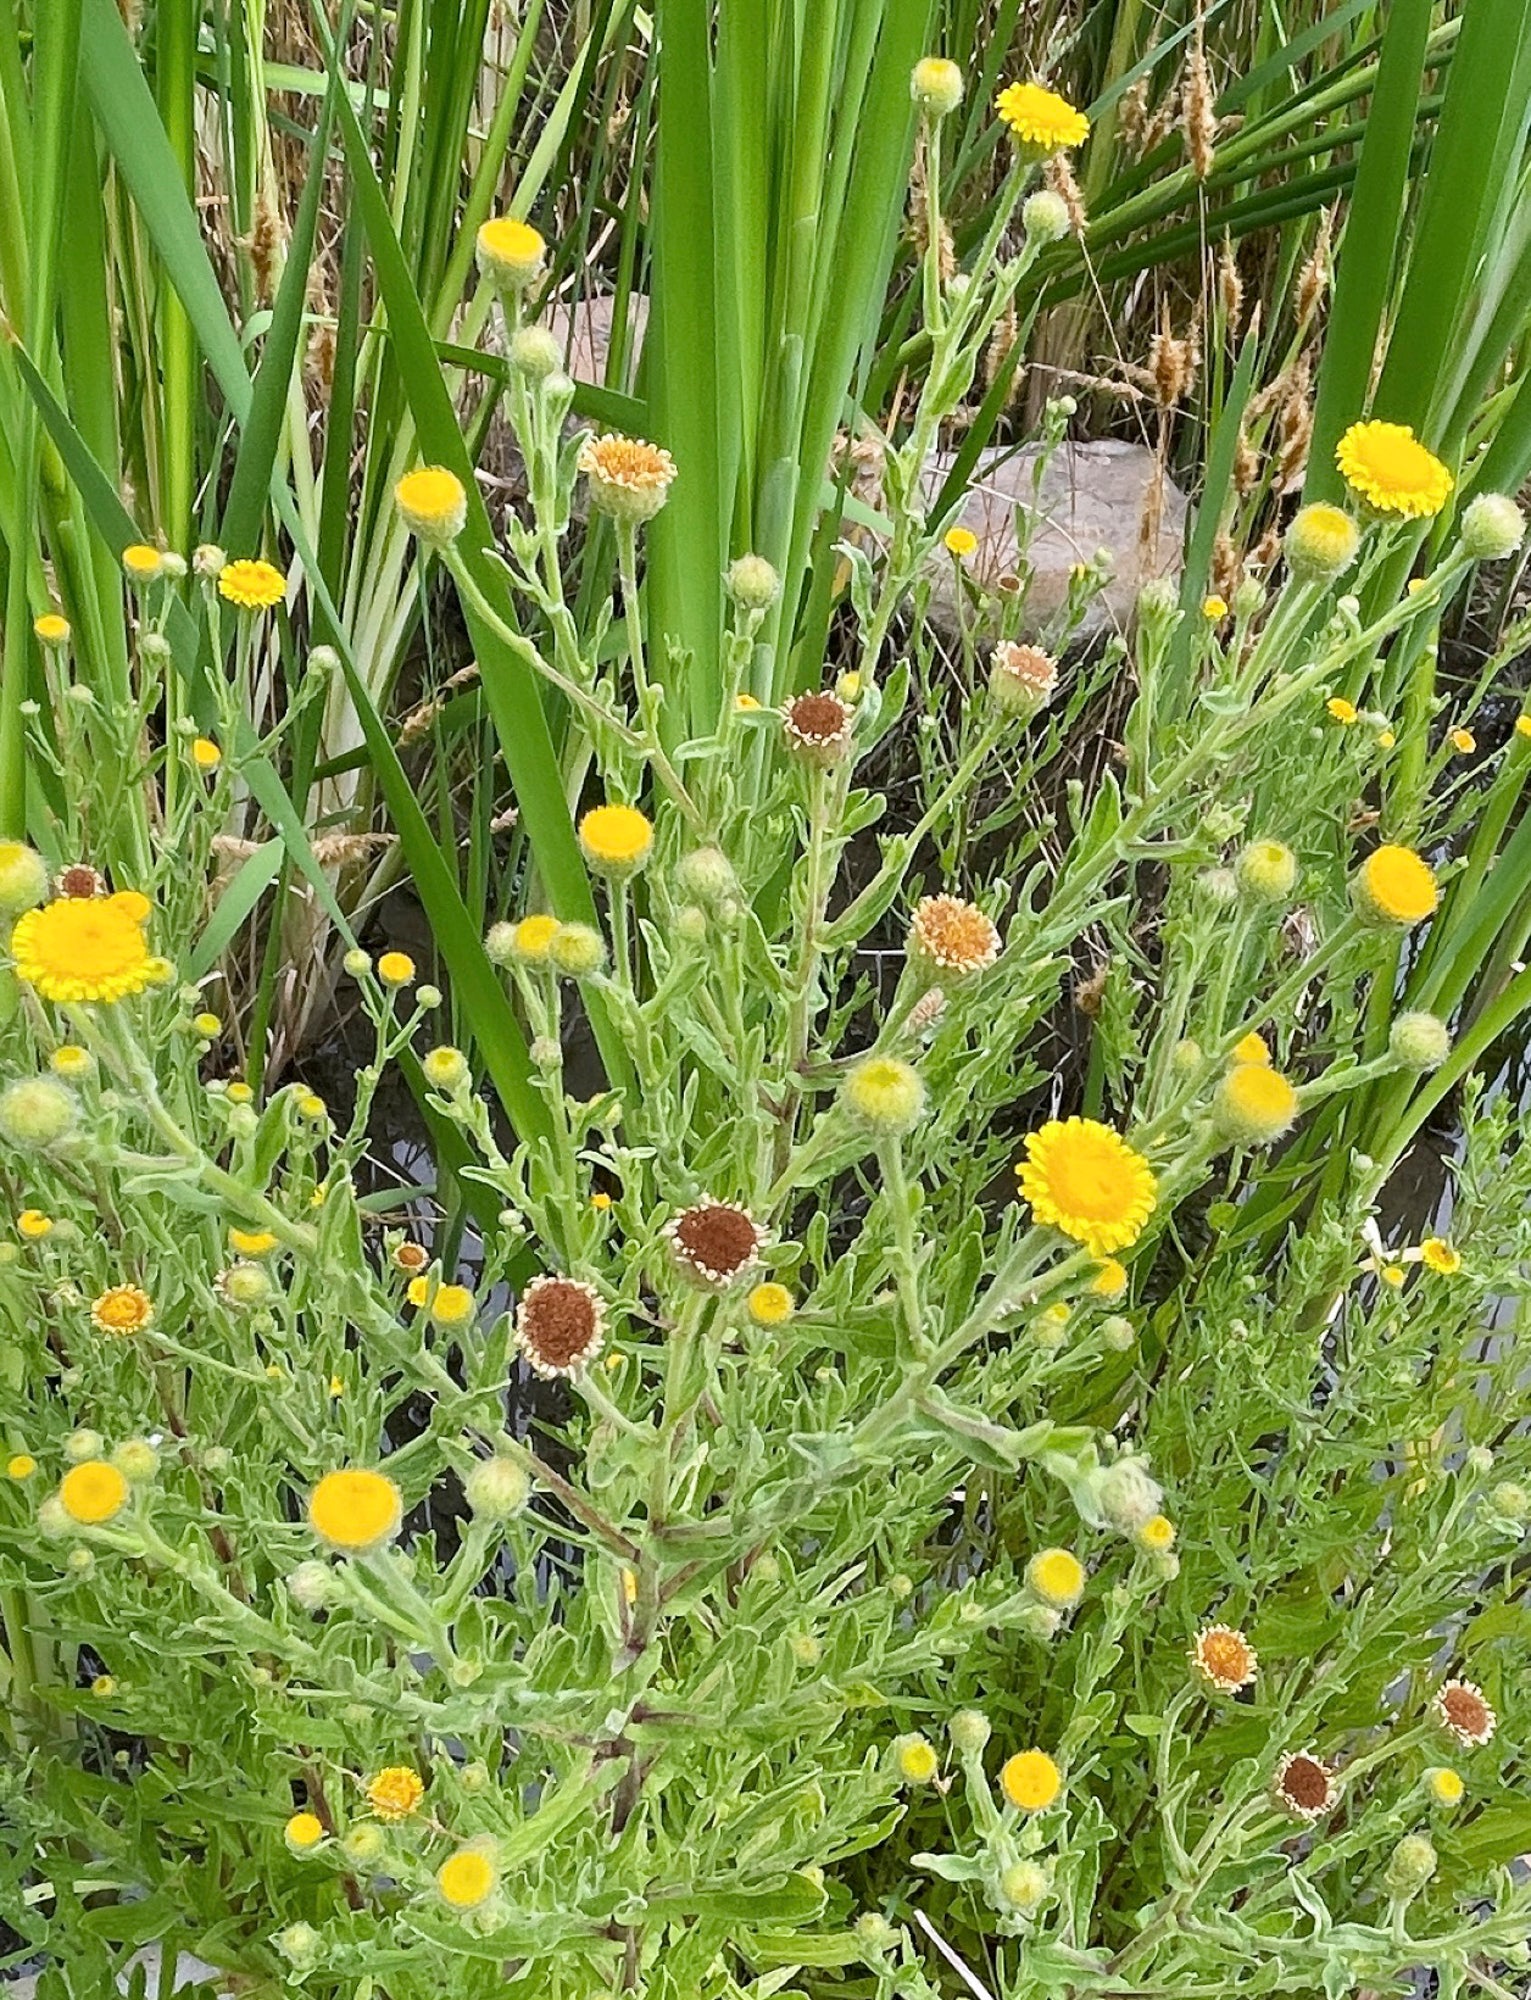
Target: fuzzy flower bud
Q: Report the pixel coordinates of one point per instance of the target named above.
(706, 875)
(936, 86)
(445, 1068)
(35, 1111)
(311, 1586)
(884, 1095)
(1253, 1105)
(916, 1758)
(1024, 1885)
(969, 1730)
(23, 877)
(752, 583)
(300, 1944)
(535, 353)
(1045, 217)
(1493, 527)
(1321, 543)
(1412, 1863)
(1419, 1041)
(577, 950)
(1266, 871)
(497, 1489)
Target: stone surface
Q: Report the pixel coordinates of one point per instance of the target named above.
(1105, 494)
(584, 329)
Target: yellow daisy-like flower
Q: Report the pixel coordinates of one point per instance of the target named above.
(1083, 1179)
(1394, 886)
(51, 629)
(618, 839)
(396, 968)
(142, 563)
(205, 754)
(1436, 1254)
(20, 1465)
(1224, 1658)
(122, 1310)
(917, 1760)
(85, 948)
(92, 1492)
(770, 1304)
(252, 1242)
(510, 252)
(960, 542)
(33, 1224)
(252, 585)
(1110, 1281)
(629, 478)
(395, 1792)
(1445, 1785)
(1251, 1048)
(355, 1509)
(1388, 466)
(1040, 119)
(466, 1879)
(1057, 1577)
(1157, 1535)
(1030, 1780)
(433, 504)
(1342, 710)
(303, 1832)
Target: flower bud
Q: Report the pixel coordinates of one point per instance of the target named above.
(535, 353)
(1493, 527)
(300, 1945)
(497, 1489)
(1022, 680)
(23, 877)
(35, 1111)
(1266, 871)
(136, 1459)
(1412, 1863)
(445, 1068)
(1216, 888)
(936, 86)
(706, 875)
(1419, 1041)
(752, 583)
(311, 1586)
(1024, 1886)
(884, 1095)
(1045, 216)
(969, 1730)
(917, 1760)
(577, 950)
(1321, 543)
(1253, 1105)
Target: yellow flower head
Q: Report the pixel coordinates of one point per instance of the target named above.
(33, 1224)
(1254, 1104)
(85, 948)
(20, 1465)
(1342, 710)
(1394, 886)
(71, 1061)
(1083, 1179)
(51, 629)
(452, 1305)
(1224, 1659)
(253, 586)
(1041, 120)
(1436, 1254)
(935, 84)
(531, 940)
(629, 479)
(1030, 1781)
(396, 968)
(93, 1492)
(122, 1310)
(433, 504)
(960, 542)
(1213, 609)
(1157, 1535)
(746, 702)
(205, 754)
(142, 563)
(1445, 1786)
(252, 1242)
(885, 1095)
(1057, 1577)
(916, 1758)
(1462, 741)
(770, 1304)
(303, 1832)
(1321, 543)
(355, 1509)
(395, 1792)
(510, 253)
(616, 839)
(1110, 1280)
(1251, 1048)
(1389, 467)
(23, 877)
(466, 1879)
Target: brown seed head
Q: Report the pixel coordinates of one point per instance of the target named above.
(560, 1325)
(80, 882)
(1304, 1785)
(715, 1241)
(1463, 1710)
(818, 727)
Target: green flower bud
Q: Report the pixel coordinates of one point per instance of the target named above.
(1493, 527)
(1045, 217)
(1412, 1863)
(535, 353)
(1266, 871)
(1419, 1041)
(23, 877)
(36, 1111)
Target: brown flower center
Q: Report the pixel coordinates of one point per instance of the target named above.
(717, 1239)
(80, 881)
(1464, 1708)
(1305, 1784)
(818, 718)
(558, 1321)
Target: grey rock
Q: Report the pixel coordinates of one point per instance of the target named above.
(1105, 494)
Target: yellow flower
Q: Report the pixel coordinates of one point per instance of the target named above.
(1436, 1254)
(92, 1492)
(141, 562)
(1083, 1179)
(629, 479)
(70, 1061)
(1462, 741)
(239, 1092)
(960, 542)
(1157, 1535)
(252, 1242)
(1030, 1780)
(616, 839)
(1387, 465)
(770, 1304)
(452, 1305)
(1342, 710)
(1322, 542)
(205, 754)
(510, 252)
(123, 1309)
(1043, 121)
(466, 1878)
(253, 586)
(1224, 1659)
(1393, 885)
(1110, 1281)
(20, 1465)
(1392, 1274)
(1445, 1786)
(1251, 1048)
(85, 948)
(600, 1201)
(432, 504)
(916, 1759)
(1523, 725)
(103, 1687)
(355, 1509)
(1254, 1104)
(51, 629)
(1057, 1577)
(33, 1224)
(885, 1095)
(1213, 609)
(303, 1832)
(396, 968)
(395, 1792)
(532, 938)
(1385, 739)
(336, 1388)
(951, 939)
(747, 701)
